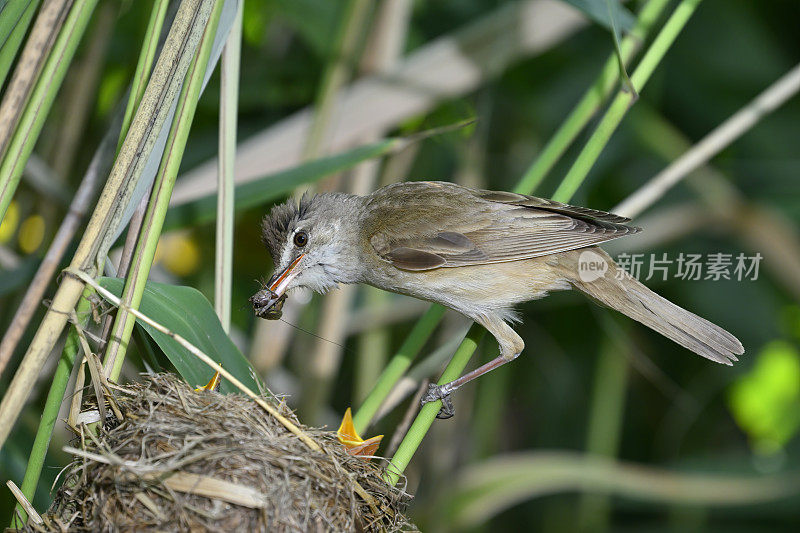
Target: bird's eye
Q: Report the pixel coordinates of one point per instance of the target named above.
(300, 239)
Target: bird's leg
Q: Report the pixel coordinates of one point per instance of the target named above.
(511, 346)
(442, 392)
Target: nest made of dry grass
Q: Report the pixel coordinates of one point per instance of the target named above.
(185, 460)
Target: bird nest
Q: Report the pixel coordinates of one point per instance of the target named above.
(183, 460)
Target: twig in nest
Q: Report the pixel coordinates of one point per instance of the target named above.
(102, 389)
(77, 397)
(23, 501)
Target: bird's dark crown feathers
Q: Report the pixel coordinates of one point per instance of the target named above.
(281, 220)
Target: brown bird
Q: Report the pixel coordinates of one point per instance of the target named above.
(475, 251)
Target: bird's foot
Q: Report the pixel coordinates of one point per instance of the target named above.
(439, 392)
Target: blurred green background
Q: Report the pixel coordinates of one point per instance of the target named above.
(589, 380)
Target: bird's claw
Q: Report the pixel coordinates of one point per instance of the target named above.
(439, 392)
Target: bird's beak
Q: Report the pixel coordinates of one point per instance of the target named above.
(267, 303)
(281, 280)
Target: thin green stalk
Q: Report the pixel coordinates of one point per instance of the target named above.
(162, 190)
(398, 365)
(428, 412)
(229, 102)
(605, 424)
(38, 106)
(50, 412)
(15, 19)
(372, 352)
(619, 107)
(592, 99)
(565, 191)
(144, 65)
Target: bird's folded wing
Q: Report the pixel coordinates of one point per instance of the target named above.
(521, 227)
(522, 200)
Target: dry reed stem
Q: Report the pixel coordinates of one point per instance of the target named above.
(23, 501)
(69, 226)
(713, 143)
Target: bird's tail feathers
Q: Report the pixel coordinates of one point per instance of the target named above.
(621, 291)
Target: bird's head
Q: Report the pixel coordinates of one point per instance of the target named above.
(313, 245)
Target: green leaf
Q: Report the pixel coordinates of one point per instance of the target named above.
(597, 10)
(264, 190)
(766, 401)
(273, 186)
(185, 311)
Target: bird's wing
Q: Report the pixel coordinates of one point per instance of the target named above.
(496, 227)
(523, 200)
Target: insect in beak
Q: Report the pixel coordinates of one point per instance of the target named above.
(268, 302)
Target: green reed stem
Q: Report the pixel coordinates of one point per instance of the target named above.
(427, 414)
(605, 423)
(619, 107)
(592, 99)
(159, 200)
(52, 405)
(229, 105)
(398, 365)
